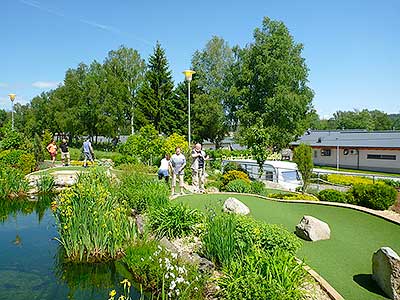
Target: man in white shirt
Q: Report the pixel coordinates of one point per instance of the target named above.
(178, 163)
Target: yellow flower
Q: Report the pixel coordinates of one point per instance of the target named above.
(113, 293)
(126, 282)
(122, 297)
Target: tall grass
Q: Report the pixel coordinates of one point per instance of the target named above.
(142, 191)
(219, 242)
(12, 182)
(45, 184)
(263, 275)
(92, 224)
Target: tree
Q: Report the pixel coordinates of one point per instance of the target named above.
(157, 92)
(303, 158)
(257, 139)
(125, 70)
(212, 65)
(273, 85)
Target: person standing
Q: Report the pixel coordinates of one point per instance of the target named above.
(65, 153)
(163, 171)
(178, 163)
(87, 152)
(198, 168)
(52, 148)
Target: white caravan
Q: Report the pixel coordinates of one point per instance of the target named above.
(282, 174)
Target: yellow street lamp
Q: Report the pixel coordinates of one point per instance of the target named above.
(12, 98)
(188, 77)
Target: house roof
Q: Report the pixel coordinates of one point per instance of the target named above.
(350, 138)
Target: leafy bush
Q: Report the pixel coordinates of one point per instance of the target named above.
(333, 196)
(12, 140)
(45, 184)
(263, 275)
(142, 191)
(121, 159)
(38, 149)
(391, 182)
(252, 233)
(238, 186)
(293, 196)
(93, 224)
(348, 180)
(232, 166)
(18, 159)
(257, 187)
(376, 196)
(303, 159)
(174, 221)
(12, 182)
(160, 271)
(233, 175)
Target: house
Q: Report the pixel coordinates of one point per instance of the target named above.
(354, 149)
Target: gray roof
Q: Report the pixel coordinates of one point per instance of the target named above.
(351, 138)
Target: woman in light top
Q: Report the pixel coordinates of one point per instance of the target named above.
(163, 171)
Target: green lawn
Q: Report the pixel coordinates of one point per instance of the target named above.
(358, 171)
(344, 260)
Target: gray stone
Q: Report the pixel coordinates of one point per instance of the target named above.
(312, 229)
(233, 205)
(206, 266)
(168, 245)
(386, 271)
(140, 223)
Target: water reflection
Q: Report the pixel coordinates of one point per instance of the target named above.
(32, 264)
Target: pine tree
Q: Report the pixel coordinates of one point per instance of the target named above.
(156, 96)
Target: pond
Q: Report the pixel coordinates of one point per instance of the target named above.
(31, 261)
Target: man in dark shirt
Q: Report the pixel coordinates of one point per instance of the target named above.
(64, 152)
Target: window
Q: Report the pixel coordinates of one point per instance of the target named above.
(325, 152)
(290, 176)
(381, 156)
(315, 153)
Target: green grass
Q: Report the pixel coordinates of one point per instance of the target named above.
(344, 260)
(358, 171)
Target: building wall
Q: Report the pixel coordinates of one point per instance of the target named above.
(358, 159)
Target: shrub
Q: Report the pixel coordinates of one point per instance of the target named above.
(376, 196)
(174, 221)
(238, 186)
(18, 159)
(333, 196)
(232, 166)
(303, 159)
(12, 140)
(159, 270)
(257, 187)
(12, 182)
(293, 196)
(348, 180)
(259, 275)
(233, 175)
(252, 233)
(121, 159)
(391, 182)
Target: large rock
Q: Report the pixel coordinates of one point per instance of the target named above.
(312, 229)
(233, 205)
(386, 271)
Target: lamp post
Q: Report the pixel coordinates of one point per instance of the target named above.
(337, 154)
(12, 98)
(188, 77)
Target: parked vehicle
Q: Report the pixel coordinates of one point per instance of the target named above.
(283, 173)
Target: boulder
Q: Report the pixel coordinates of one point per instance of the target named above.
(233, 205)
(386, 271)
(312, 229)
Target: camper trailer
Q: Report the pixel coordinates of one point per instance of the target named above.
(279, 174)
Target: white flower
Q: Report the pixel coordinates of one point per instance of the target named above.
(180, 280)
(166, 276)
(173, 285)
(177, 292)
(196, 288)
(159, 247)
(174, 255)
(142, 259)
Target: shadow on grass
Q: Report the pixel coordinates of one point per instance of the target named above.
(366, 282)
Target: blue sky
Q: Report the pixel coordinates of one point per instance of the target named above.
(352, 48)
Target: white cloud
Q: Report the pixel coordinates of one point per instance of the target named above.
(45, 84)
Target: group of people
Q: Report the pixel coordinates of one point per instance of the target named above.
(176, 164)
(65, 156)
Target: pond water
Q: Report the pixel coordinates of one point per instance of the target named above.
(31, 261)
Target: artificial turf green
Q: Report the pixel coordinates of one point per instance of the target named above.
(345, 260)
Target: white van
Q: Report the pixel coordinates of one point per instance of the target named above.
(283, 173)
